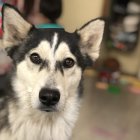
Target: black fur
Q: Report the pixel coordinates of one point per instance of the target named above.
(59, 67)
(6, 95)
(4, 114)
(44, 64)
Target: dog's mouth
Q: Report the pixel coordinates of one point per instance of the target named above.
(48, 109)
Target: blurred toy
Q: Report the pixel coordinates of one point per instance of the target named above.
(102, 85)
(133, 84)
(114, 89)
(110, 71)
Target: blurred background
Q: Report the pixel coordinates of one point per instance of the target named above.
(110, 108)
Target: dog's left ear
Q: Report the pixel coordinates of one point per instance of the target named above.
(15, 27)
(90, 38)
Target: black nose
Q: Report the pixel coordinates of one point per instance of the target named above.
(49, 97)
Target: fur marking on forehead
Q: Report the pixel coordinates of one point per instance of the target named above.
(54, 41)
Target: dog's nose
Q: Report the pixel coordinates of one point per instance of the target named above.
(49, 97)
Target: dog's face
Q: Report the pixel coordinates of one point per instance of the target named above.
(48, 62)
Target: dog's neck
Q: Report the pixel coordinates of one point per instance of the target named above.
(37, 124)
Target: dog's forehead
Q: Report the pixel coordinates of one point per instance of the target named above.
(50, 39)
(59, 35)
(45, 40)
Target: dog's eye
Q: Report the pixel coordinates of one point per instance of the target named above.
(68, 63)
(35, 58)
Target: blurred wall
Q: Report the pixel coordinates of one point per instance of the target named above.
(78, 12)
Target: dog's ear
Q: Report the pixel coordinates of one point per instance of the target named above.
(15, 27)
(90, 38)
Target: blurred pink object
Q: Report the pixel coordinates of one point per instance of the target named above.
(134, 89)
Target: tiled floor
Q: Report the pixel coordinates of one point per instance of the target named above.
(105, 116)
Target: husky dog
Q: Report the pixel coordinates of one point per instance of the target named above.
(44, 86)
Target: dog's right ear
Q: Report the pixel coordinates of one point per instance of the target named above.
(15, 27)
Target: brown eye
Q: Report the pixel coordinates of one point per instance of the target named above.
(68, 63)
(35, 58)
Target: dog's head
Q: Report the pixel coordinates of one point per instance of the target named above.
(48, 62)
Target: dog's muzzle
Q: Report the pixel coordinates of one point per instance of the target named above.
(49, 98)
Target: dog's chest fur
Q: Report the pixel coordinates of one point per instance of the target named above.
(38, 126)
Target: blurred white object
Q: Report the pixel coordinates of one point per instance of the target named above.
(133, 8)
(130, 23)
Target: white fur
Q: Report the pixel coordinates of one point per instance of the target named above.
(42, 126)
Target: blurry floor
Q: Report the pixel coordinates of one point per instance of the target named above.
(105, 116)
